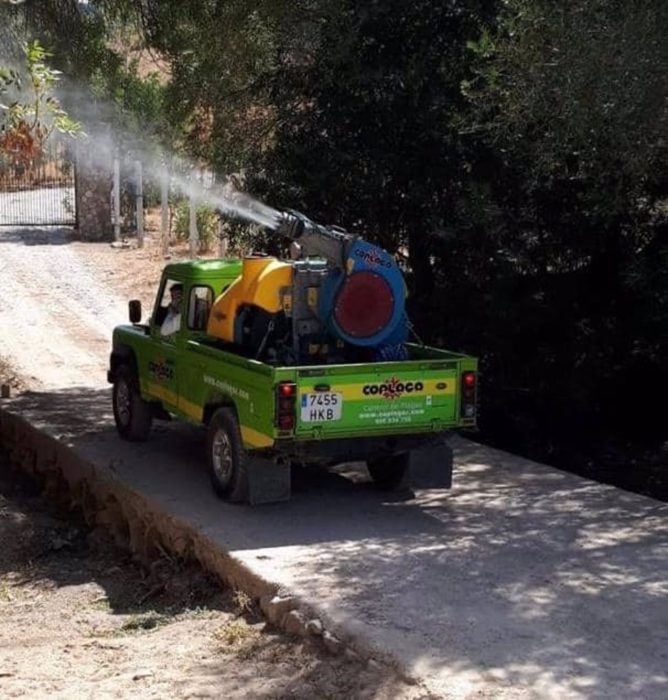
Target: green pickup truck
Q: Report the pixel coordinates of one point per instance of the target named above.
(263, 411)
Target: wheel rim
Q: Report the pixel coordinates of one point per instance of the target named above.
(221, 457)
(123, 402)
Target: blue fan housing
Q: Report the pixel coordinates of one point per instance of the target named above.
(364, 304)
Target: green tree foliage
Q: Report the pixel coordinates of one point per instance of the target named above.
(32, 112)
(367, 126)
(97, 47)
(223, 57)
(571, 101)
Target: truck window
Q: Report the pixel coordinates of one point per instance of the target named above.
(169, 306)
(199, 306)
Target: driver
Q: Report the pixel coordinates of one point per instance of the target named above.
(172, 321)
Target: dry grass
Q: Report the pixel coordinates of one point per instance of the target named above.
(243, 603)
(8, 375)
(236, 634)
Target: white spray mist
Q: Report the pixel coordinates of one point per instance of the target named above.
(102, 146)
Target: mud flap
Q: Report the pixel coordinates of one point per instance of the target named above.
(430, 466)
(268, 481)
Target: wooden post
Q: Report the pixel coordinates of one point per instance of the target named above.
(223, 241)
(140, 205)
(164, 214)
(117, 200)
(194, 235)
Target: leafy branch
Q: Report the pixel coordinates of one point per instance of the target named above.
(28, 121)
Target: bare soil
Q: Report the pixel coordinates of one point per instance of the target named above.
(130, 272)
(81, 618)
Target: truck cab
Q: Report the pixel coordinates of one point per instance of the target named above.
(164, 357)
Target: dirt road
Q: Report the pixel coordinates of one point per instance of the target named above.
(55, 314)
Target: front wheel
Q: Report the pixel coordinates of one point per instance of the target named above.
(132, 414)
(226, 457)
(388, 472)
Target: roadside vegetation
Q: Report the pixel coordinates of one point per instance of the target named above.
(514, 151)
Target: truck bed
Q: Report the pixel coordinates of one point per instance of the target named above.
(418, 395)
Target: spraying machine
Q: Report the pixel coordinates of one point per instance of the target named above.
(339, 299)
(303, 359)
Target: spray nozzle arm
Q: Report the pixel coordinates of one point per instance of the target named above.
(315, 240)
(292, 225)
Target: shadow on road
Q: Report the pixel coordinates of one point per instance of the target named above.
(37, 235)
(171, 466)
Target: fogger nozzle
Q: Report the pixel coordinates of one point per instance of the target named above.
(292, 225)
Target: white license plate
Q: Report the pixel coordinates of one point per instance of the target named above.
(321, 407)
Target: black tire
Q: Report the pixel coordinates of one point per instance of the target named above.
(226, 457)
(388, 472)
(132, 414)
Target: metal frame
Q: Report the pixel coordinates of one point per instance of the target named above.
(34, 193)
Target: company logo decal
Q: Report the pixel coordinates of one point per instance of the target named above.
(373, 258)
(161, 369)
(393, 388)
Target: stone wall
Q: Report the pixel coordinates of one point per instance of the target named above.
(94, 181)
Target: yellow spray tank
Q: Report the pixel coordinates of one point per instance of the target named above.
(264, 283)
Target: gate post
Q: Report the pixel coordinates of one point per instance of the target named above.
(117, 198)
(94, 179)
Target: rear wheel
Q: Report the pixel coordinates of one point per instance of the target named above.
(133, 415)
(388, 472)
(228, 462)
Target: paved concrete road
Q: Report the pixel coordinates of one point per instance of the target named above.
(521, 582)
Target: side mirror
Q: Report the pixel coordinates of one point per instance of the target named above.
(134, 311)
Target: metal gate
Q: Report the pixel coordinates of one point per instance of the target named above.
(39, 192)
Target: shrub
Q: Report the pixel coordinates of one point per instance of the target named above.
(207, 225)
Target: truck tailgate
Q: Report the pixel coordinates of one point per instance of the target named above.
(413, 396)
